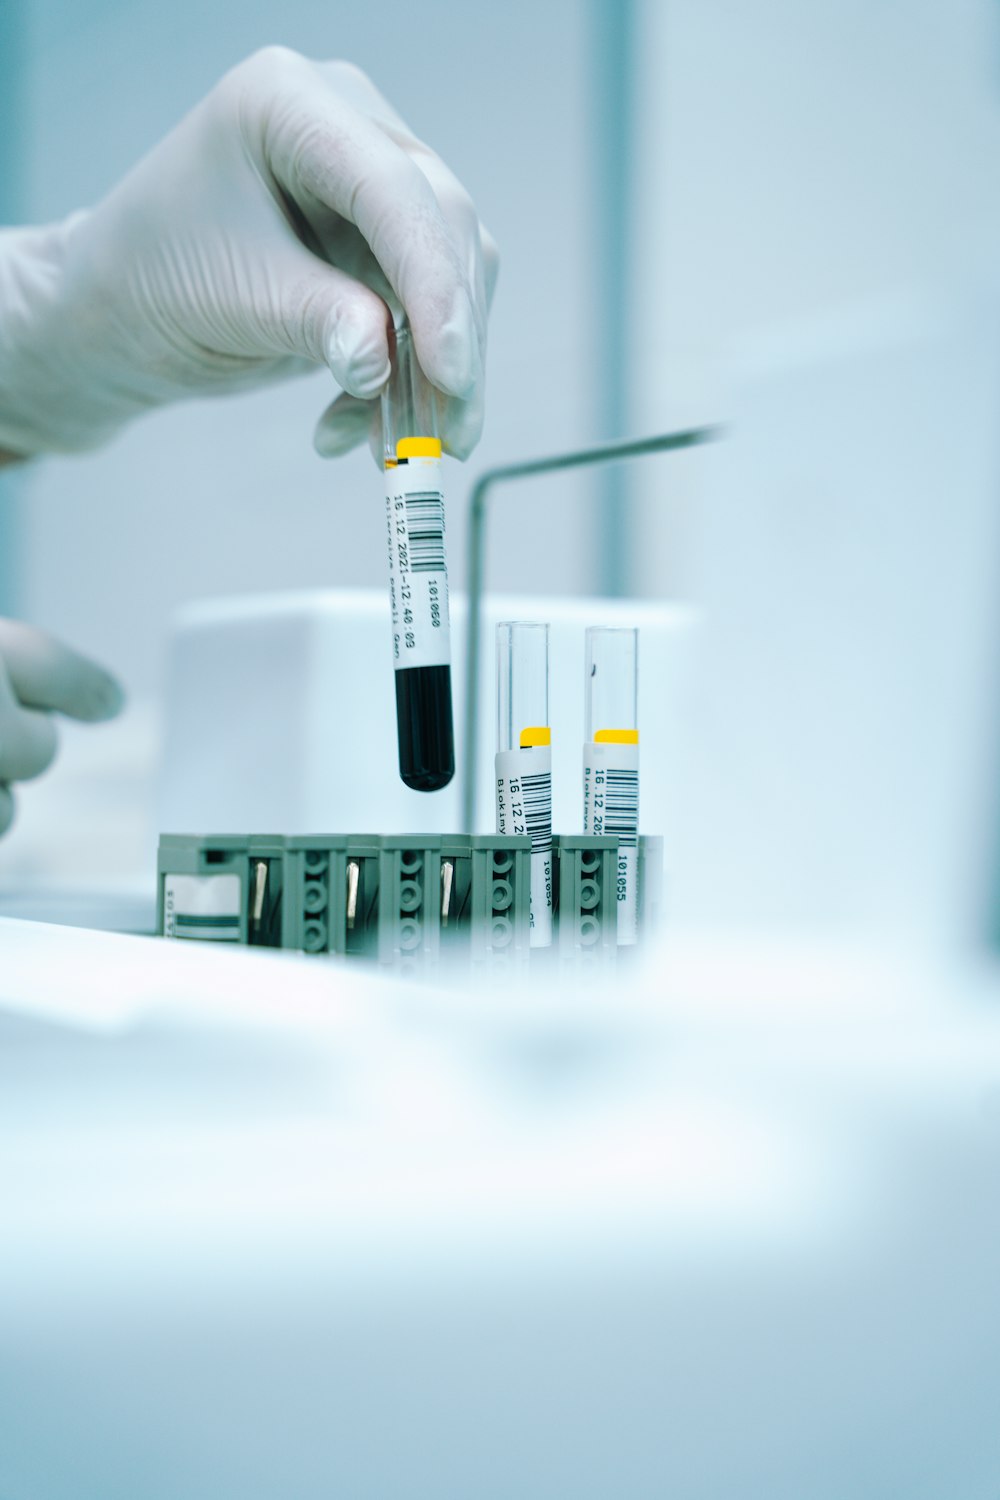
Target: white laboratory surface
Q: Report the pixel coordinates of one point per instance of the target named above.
(272, 1227)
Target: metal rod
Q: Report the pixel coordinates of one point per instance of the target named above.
(447, 878)
(353, 872)
(667, 442)
(259, 891)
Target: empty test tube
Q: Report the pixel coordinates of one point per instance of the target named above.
(418, 577)
(524, 758)
(611, 758)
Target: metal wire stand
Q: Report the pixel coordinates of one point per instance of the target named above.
(691, 437)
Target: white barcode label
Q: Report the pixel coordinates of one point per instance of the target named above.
(202, 906)
(524, 806)
(611, 810)
(418, 579)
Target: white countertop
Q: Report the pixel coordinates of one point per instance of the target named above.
(273, 1226)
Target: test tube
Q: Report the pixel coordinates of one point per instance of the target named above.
(418, 577)
(524, 758)
(611, 758)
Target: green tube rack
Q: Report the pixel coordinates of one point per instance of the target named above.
(403, 901)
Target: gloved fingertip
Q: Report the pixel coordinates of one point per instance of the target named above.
(358, 355)
(7, 807)
(463, 428)
(338, 431)
(106, 698)
(452, 357)
(97, 697)
(333, 442)
(367, 381)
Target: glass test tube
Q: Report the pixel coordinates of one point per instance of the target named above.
(524, 758)
(418, 577)
(611, 758)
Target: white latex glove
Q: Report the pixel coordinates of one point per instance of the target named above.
(263, 237)
(39, 677)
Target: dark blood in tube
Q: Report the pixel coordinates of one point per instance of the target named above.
(424, 724)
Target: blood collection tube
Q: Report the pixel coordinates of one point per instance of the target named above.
(418, 577)
(524, 758)
(611, 758)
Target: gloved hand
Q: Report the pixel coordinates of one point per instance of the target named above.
(264, 236)
(39, 677)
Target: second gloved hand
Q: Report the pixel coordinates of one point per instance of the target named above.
(263, 237)
(39, 677)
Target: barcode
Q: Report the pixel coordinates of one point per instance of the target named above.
(536, 792)
(425, 531)
(621, 806)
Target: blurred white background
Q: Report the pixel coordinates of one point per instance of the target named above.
(793, 158)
